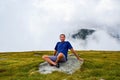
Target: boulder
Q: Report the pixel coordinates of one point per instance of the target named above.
(68, 67)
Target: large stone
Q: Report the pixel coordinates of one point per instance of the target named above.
(68, 67)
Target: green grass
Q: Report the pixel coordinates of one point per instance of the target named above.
(24, 66)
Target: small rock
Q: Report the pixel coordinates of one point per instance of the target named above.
(102, 79)
(3, 58)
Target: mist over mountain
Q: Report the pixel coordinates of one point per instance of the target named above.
(36, 24)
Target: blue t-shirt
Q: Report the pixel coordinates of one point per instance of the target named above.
(62, 47)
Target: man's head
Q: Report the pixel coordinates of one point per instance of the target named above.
(62, 37)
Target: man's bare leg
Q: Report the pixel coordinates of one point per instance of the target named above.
(59, 57)
(46, 58)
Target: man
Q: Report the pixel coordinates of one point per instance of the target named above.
(61, 52)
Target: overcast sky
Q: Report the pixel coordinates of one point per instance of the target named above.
(36, 24)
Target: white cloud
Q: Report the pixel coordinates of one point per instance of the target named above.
(39, 22)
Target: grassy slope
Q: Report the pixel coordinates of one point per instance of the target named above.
(24, 66)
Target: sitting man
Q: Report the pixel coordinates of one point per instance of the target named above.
(60, 53)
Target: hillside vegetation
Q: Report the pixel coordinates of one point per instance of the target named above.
(98, 65)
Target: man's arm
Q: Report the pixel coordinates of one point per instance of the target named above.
(73, 51)
(55, 52)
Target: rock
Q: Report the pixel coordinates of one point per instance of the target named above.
(68, 67)
(3, 58)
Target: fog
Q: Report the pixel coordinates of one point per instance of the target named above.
(36, 24)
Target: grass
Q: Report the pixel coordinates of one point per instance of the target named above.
(98, 65)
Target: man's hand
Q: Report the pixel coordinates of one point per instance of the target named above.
(81, 59)
(73, 51)
(55, 52)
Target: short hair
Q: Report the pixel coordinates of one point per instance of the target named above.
(62, 35)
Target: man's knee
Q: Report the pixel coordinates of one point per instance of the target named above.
(61, 55)
(44, 56)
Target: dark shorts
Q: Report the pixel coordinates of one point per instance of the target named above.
(54, 58)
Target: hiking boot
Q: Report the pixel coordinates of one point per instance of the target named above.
(57, 65)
